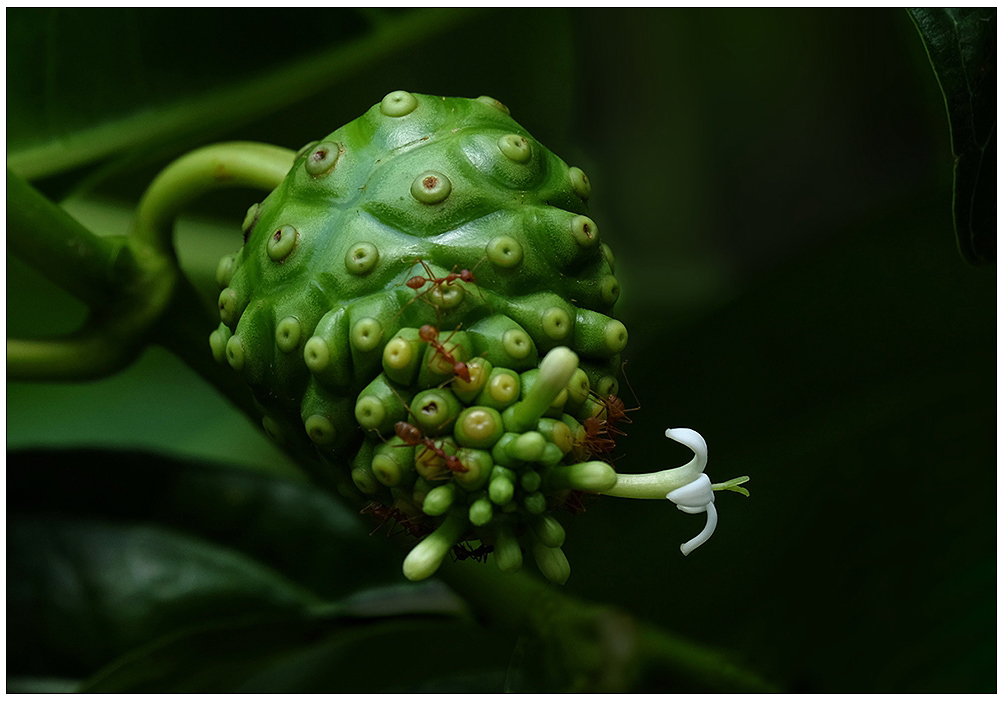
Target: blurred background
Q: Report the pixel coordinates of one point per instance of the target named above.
(776, 187)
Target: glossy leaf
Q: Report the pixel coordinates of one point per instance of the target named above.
(82, 591)
(320, 653)
(109, 550)
(962, 46)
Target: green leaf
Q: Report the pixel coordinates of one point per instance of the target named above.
(109, 550)
(962, 46)
(293, 528)
(81, 591)
(321, 653)
(86, 84)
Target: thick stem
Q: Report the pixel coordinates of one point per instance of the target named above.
(43, 235)
(233, 164)
(83, 356)
(603, 648)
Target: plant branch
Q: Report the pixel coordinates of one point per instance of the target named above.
(603, 648)
(233, 164)
(43, 235)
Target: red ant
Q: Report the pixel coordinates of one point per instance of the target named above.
(383, 514)
(411, 436)
(429, 333)
(597, 440)
(575, 502)
(463, 551)
(417, 282)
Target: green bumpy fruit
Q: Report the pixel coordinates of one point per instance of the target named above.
(391, 305)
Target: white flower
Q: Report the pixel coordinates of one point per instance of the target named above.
(697, 496)
(687, 486)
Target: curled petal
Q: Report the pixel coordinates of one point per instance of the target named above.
(693, 440)
(694, 498)
(700, 538)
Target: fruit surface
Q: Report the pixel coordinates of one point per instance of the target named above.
(392, 302)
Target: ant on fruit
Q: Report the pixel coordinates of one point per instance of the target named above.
(463, 551)
(412, 436)
(597, 440)
(417, 282)
(383, 514)
(429, 333)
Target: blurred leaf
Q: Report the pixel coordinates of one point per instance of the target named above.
(84, 84)
(329, 652)
(962, 46)
(81, 591)
(41, 685)
(108, 550)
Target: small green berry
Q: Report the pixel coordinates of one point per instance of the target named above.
(515, 147)
(478, 427)
(287, 334)
(281, 243)
(607, 385)
(235, 353)
(481, 512)
(323, 158)
(366, 334)
(398, 103)
(608, 255)
(556, 323)
(615, 336)
(535, 503)
(316, 354)
(504, 251)
(249, 220)
(225, 270)
(492, 102)
(361, 258)
(431, 187)
(610, 289)
(584, 231)
(517, 343)
(320, 429)
(218, 343)
(228, 306)
(580, 183)
(530, 481)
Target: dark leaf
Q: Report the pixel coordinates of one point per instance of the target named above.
(962, 46)
(305, 654)
(80, 592)
(109, 550)
(86, 84)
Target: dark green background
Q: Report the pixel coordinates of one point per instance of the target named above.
(776, 187)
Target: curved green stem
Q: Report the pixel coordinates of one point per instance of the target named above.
(131, 280)
(233, 164)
